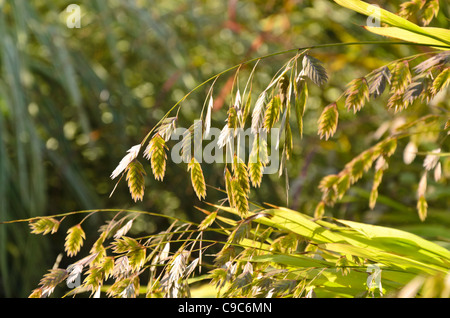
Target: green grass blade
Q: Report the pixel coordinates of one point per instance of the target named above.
(393, 19)
(406, 35)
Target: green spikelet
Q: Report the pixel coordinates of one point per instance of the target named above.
(272, 113)
(314, 69)
(441, 81)
(401, 77)
(156, 153)
(378, 81)
(136, 180)
(239, 197)
(232, 119)
(396, 102)
(44, 226)
(197, 178)
(255, 162)
(207, 221)
(241, 174)
(328, 121)
(422, 207)
(49, 282)
(256, 173)
(357, 94)
(74, 240)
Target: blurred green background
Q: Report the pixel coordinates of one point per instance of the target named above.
(73, 100)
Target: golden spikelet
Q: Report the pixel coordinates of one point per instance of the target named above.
(74, 240)
(241, 174)
(374, 192)
(272, 113)
(357, 94)
(255, 169)
(156, 153)
(422, 207)
(314, 69)
(44, 225)
(401, 77)
(378, 81)
(136, 180)
(328, 121)
(239, 197)
(228, 187)
(441, 81)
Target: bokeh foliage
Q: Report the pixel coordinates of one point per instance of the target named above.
(72, 101)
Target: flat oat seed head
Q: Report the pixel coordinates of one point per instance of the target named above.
(328, 121)
(313, 68)
(422, 208)
(197, 178)
(232, 119)
(258, 113)
(374, 192)
(401, 77)
(409, 8)
(272, 113)
(239, 197)
(225, 136)
(430, 10)
(124, 229)
(257, 161)
(156, 153)
(44, 225)
(431, 160)
(241, 174)
(409, 154)
(357, 94)
(132, 154)
(301, 96)
(396, 102)
(136, 180)
(228, 187)
(419, 88)
(52, 279)
(166, 128)
(74, 240)
(432, 62)
(441, 81)
(377, 82)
